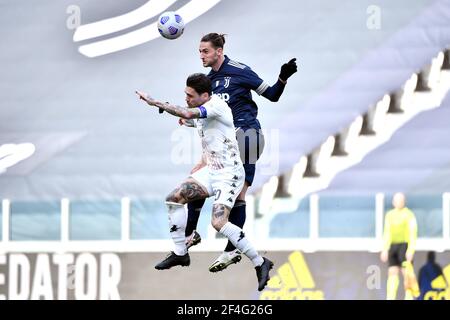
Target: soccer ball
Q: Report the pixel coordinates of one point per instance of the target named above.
(170, 25)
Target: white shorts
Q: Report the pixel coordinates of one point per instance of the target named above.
(224, 185)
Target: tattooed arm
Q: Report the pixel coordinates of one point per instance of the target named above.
(182, 112)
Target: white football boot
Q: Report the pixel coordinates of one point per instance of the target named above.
(225, 259)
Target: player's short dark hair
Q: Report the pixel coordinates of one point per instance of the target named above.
(216, 39)
(200, 83)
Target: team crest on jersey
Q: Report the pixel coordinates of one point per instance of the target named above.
(227, 82)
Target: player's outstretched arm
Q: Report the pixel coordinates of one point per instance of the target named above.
(182, 112)
(274, 92)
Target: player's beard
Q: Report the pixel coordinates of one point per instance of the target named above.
(213, 62)
(207, 64)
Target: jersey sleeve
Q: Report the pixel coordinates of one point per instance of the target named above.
(210, 109)
(252, 81)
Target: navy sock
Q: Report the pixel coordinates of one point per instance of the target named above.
(237, 217)
(194, 209)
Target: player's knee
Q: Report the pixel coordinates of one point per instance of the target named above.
(172, 197)
(393, 271)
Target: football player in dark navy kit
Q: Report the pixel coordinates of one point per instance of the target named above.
(233, 82)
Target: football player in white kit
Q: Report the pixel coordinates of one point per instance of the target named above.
(222, 177)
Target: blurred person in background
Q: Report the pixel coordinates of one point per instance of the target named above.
(399, 243)
(428, 273)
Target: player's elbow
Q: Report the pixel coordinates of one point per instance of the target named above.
(188, 115)
(274, 99)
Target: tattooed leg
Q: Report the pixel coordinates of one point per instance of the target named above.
(219, 216)
(234, 234)
(188, 191)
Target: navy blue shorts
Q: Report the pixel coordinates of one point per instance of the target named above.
(251, 145)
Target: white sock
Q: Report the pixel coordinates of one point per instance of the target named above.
(238, 239)
(177, 224)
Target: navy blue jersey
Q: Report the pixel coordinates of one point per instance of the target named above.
(233, 82)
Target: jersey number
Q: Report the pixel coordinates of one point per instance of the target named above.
(217, 194)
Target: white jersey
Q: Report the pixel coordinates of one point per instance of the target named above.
(218, 135)
(224, 175)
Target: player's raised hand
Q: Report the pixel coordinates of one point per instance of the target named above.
(150, 101)
(288, 69)
(144, 96)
